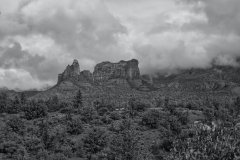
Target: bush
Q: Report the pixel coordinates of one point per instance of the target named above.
(53, 104)
(126, 143)
(138, 106)
(33, 111)
(102, 111)
(42, 155)
(57, 156)
(106, 119)
(16, 124)
(88, 114)
(67, 151)
(222, 142)
(66, 108)
(115, 115)
(4, 103)
(75, 126)
(13, 151)
(33, 144)
(150, 119)
(160, 147)
(78, 149)
(95, 142)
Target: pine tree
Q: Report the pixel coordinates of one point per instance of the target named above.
(77, 102)
(23, 98)
(237, 106)
(15, 106)
(4, 102)
(95, 142)
(125, 145)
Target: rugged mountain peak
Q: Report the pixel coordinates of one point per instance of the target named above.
(121, 72)
(105, 73)
(75, 67)
(70, 71)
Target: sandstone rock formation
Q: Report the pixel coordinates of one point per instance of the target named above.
(87, 75)
(72, 71)
(121, 72)
(105, 73)
(148, 78)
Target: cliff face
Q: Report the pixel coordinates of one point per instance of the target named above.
(87, 75)
(123, 72)
(72, 71)
(120, 72)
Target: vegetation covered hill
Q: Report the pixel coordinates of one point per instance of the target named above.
(125, 116)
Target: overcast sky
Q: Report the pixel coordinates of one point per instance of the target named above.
(38, 38)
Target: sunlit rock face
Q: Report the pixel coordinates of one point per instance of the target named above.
(120, 72)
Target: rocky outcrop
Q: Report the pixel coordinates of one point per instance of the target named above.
(72, 71)
(87, 75)
(121, 72)
(147, 78)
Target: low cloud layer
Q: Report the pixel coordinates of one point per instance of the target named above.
(38, 38)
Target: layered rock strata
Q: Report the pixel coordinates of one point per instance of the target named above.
(120, 72)
(123, 72)
(72, 71)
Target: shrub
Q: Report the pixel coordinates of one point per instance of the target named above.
(13, 151)
(33, 144)
(16, 124)
(57, 156)
(4, 103)
(106, 119)
(78, 149)
(102, 111)
(115, 115)
(67, 151)
(95, 142)
(42, 155)
(160, 147)
(88, 114)
(77, 102)
(151, 118)
(53, 104)
(222, 142)
(126, 143)
(75, 126)
(33, 111)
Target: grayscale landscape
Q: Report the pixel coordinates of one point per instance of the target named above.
(119, 80)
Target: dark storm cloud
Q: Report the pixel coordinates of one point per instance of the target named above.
(83, 28)
(16, 57)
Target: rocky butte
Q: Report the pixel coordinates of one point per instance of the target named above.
(123, 72)
(72, 71)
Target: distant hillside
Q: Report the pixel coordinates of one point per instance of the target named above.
(122, 81)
